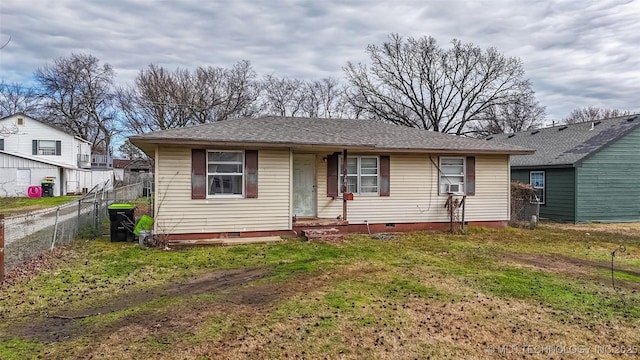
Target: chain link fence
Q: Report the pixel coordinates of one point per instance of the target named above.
(28, 235)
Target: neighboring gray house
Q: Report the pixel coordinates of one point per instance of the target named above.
(585, 172)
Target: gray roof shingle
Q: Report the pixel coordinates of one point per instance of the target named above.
(289, 131)
(567, 144)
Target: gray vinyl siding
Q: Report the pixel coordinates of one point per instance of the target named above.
(559, 192)
(608, 183)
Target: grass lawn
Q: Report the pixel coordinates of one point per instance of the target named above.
(10, 206)
(488, 294)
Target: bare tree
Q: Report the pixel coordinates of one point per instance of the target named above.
(592, 113)
(77, 92)
(522, 114)
(15, 98)
(326, 98)
(220, 93)
(154, 102)
(282, 96)
(419, 84)
(160, 99)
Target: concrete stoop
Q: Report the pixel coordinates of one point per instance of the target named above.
(330, 235)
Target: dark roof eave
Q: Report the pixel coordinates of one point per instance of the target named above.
(541, 166)
(142, 141)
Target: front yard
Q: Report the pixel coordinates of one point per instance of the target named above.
(489, 294)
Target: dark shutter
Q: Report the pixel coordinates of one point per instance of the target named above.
(34, 147)
(471, 175)
(2, 144)
(251, 171)
(332, 175)
(198, 174)
(58, 147)
(385, 174)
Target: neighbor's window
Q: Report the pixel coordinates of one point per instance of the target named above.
(47, 147)
(452, 176)
(225, 173)
(362, 174)
(537, 180)
(20, 121)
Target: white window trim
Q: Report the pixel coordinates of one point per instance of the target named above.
(358, 157)
(441, 174)
(40, 149)
(226, 196)
(544, 184)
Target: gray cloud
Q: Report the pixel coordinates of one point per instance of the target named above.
(575, 53)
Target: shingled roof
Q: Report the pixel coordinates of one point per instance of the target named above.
(567, 145)
(363, 135)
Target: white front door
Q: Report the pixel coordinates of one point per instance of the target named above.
(304, 185)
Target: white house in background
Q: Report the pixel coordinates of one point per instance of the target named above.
(31, 150)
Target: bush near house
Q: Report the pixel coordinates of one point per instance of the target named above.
(415, 295)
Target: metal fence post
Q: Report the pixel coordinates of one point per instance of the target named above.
(1, 248)
(78, 218)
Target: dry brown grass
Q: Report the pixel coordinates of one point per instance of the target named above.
(629, 229)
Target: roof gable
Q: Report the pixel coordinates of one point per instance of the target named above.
(11, 120)
(316, 132)
(566, 145)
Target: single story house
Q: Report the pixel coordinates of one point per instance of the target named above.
(585, 172)
(273, 175)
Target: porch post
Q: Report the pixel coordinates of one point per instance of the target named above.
(344, 184)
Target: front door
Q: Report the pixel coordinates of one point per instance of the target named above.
(304, 185)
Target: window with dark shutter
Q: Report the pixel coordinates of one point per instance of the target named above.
(58, 147)
(471, 175)
(251, 170)
(385, 175)
(34, 147)
(198, 174)
(332, 175)
(2, 144)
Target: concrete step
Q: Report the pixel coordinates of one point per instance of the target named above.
(323, 235)
(226, 241)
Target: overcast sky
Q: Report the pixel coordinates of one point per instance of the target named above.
(576, 53)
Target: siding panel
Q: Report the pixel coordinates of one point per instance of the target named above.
(607, 186)
(414, 193)
(560, 192)
(177, 213)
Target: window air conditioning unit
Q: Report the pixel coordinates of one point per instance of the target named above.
(454, 188)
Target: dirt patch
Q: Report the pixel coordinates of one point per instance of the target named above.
(569, 265)
(60, 326)
(45, 261)
(628, 229)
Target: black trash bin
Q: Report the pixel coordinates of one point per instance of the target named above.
(47, 188)
(122, 222)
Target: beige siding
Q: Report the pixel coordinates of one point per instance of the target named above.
(177, 213)
(414, 193)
